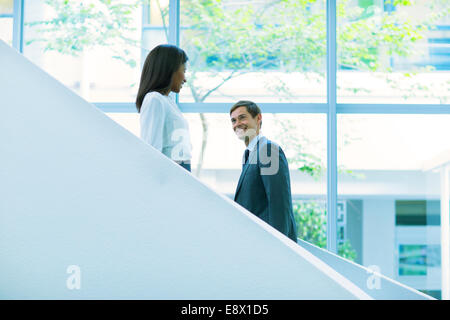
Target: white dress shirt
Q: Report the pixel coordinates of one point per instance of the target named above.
(164, 127)
(251, 146)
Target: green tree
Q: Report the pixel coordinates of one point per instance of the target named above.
(311, 220)
(79, 26)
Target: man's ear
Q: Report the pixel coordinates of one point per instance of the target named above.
(260, 119)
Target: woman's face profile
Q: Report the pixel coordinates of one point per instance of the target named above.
(178, 79)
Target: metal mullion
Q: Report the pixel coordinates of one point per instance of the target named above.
(265, 107)
(445, 232)
(331, 129)
(174, 27)
(224, 107)
(145, 21)
(18, 19)
(393, 108)
(215, 107)
(174, 22)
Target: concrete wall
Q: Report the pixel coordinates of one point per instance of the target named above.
(379, 235)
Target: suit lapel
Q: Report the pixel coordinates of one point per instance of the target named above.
(241, 178)
(251, 159)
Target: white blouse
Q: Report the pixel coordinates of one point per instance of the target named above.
(164, 127)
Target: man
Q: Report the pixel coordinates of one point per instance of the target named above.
(264, 186)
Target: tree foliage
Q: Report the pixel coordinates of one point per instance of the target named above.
(79, 25)
(290, 35)
(311, 220)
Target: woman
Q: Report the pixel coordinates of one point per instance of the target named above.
(162, 123)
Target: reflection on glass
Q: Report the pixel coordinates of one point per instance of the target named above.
(414, 260)
(393, 51)
(266, 51)
(392, 202)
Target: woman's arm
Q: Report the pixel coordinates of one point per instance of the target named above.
(152, 122)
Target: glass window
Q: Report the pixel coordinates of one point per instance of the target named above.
(265, 51)
(392, 193)
(393, 51)
(6, 21)
(155, 25)
(417, 212)
(94, 47)
(7, 7)
(415, 259)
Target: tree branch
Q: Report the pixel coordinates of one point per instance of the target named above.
(221, 84)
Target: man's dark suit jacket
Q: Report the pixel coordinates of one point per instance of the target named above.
(264, 187)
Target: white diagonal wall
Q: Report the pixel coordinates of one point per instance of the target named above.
(79, 190)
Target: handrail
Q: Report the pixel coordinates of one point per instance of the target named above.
(373, 283)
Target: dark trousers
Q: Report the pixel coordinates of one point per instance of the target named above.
(186, 165)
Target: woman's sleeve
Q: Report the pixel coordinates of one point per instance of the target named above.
(152, 123)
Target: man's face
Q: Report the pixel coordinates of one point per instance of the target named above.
(178, 79)
(244, 125)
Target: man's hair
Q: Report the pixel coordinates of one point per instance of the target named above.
(251, 107)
